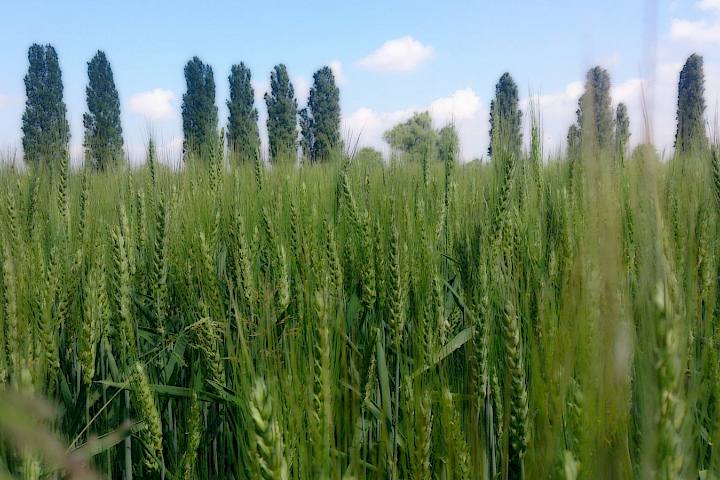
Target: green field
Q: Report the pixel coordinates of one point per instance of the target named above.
(514, 319)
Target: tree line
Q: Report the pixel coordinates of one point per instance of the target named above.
(598, 127)
(319, 121)
(46, 131)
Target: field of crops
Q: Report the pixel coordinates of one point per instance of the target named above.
(514, 319)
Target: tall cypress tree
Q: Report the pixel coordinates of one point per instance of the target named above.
(282, 116)
(691, 106)
(505, 115)
(595, 112)
(199, 113)
(622, 128)
(324, 116)
(44, 124)
(103, 132)
(243, 136)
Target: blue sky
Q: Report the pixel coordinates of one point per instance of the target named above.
(390, 58)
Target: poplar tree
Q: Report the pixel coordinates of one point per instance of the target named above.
(199, 113)
(103, 131)
(691, 106)
(505, 115)
(243, 136)
(321, 120)
(573, 142)
(622, 128)
(595, 112)
(44, 124)
(282, 116)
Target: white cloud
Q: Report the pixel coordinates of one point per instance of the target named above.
(705, 30)
(708, 5)
(571, 94)
(701, 31)
(365, 127)
(7, 101)
(463, 104)
(400, 55)
(154, 105)
(559, 105)
(337, 69)
(628, 91)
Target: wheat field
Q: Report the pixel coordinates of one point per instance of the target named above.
(519, 318)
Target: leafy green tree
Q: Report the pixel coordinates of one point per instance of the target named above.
(44, 124)
(103, 132)
(368, 156)
(622, 127)
(505, 115)
(595, 113)
(243, 136)
(415, 138)
(448, 143)
(691, 106)
(199, 113)
(282, 116)
(322, 117)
